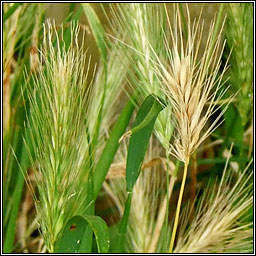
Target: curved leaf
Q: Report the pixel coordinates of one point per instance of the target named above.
(75, 238)
(141, 131)
(111, 147)
(100, 231)
(72, 235)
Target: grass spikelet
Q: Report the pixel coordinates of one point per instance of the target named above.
(190, 82)
(58, 105)
(220, 224)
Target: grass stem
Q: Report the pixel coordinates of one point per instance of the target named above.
(124, 223)
(178, 206)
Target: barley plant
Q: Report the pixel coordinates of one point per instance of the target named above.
(127, 128)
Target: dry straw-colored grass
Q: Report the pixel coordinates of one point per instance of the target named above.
(191, 83)
(219, 225)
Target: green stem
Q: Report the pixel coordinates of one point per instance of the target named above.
(124, 223)
(178, 206)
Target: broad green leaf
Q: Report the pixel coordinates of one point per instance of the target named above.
(90, 202)
(142, 129)
(100, 231)
(87, 241)
(111, 147)
(74, 238)
(72, 235)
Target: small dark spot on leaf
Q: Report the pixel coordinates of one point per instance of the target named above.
(72, 227)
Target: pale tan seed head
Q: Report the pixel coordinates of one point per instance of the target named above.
(190, 83)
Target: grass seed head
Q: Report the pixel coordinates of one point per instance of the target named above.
(190, 81)
(57, 127)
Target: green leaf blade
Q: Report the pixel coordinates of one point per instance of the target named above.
(72, 235)
(141, 133)
(100, 231)
(111, 147)
(76, 236)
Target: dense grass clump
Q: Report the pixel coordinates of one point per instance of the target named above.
(83, 173)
